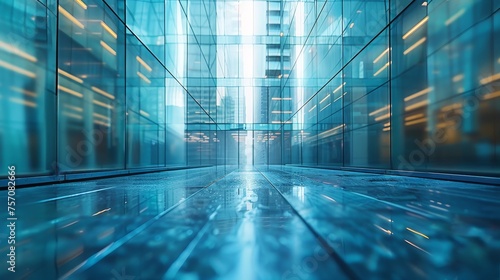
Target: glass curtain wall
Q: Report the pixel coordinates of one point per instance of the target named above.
(91, 85)
(405, 85)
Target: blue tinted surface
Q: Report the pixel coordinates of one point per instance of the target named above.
(271, 223)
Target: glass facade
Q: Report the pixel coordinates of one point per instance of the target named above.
(404, 85)
(91, 85)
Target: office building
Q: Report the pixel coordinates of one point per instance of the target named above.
(250, 139)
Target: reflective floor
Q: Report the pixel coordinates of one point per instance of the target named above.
(256, 223)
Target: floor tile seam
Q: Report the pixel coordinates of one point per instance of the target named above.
(184, 255)
(186, 252)
(68, 196)
(454, 194)
(98, 256)
(113, 179)
(76, 194)
(322, 241)
(426, 215)
(177, 264)
(467, 186)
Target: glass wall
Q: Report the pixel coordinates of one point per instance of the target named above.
(28, 99)
(416, 89)
(446, 75)
(90, 87)
(83, 90)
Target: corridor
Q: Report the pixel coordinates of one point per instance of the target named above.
(250, 139)
(257, 223)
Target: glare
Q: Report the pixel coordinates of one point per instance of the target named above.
(415, 28)
(70, 17)
(418, 94)
(17, 69)
(70, 91)
(109, 30)
(381, 55)
(103, 93)
(454, 17)
(414, 46)
(108, 48)
(81, 4)
(17, 51)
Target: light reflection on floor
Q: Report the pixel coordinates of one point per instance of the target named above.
(266, 223)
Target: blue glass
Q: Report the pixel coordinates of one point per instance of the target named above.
(145, 107)
(27, 88)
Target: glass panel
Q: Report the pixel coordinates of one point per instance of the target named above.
(145, 107)
(91, 97)
(146, 19)
(444, 94)
(27, 88)
(175, 116)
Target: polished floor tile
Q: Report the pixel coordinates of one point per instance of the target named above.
(393, 227)
(257, 223)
